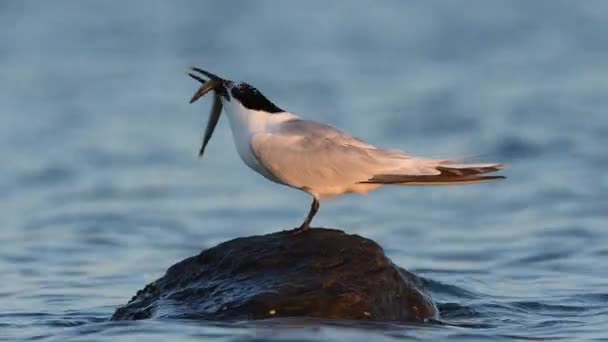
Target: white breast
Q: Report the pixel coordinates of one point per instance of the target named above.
(244, 123)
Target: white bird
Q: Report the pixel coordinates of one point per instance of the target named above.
(317, 158)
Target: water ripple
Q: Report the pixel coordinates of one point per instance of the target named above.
(102, 190)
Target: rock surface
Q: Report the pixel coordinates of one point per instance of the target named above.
(321, 273)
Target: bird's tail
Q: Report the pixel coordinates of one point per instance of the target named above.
(449, 174)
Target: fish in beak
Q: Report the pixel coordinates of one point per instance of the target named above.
(215, 84)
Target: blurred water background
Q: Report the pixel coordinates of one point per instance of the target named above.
(101, 188)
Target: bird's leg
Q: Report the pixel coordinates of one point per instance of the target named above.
(306, 224)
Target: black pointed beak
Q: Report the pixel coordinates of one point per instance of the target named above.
(216, 84)
(207, 73)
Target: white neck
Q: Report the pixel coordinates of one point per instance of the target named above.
(246, 122)
(243, 124)
(243, 121)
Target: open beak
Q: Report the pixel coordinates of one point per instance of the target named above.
(216, 84)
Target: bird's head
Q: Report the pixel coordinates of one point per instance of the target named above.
(228, 92)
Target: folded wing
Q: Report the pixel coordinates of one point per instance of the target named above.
(307, 154)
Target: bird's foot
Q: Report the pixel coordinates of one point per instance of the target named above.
(301, 229)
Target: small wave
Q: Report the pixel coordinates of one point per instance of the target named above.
(438, 288)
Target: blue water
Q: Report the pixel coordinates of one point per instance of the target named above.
(101, 189)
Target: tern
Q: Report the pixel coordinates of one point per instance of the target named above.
(317, 158)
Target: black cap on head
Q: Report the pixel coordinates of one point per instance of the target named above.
(251, 98)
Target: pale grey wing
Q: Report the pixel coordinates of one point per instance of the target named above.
(306, 154)
(317, 130)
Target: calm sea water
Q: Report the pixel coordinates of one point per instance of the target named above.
(101, 188)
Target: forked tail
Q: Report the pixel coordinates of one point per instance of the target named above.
(449, 174)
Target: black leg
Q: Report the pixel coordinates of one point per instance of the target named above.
(306, 224)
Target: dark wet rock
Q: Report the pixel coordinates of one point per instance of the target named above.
(320, 273)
